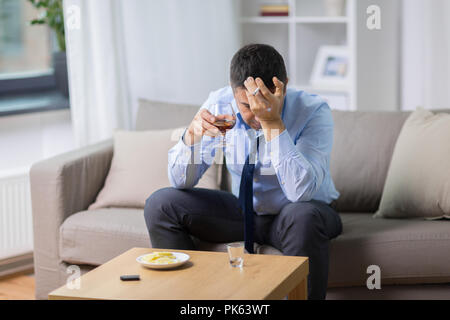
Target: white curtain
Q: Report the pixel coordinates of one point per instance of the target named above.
(165, 50)
(179, 50)
(98, 77)
(426, 54)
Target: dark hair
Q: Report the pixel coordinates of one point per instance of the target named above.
(257, 60)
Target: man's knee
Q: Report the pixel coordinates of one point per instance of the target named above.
(156, 205)
(304, 219)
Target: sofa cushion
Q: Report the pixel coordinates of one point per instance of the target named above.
(139, 168)
(418, 180)
(407, 251)
(157, 115)
(364, 142)
(362, 151)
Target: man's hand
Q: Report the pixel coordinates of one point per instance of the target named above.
(266, 106)
(201, 125)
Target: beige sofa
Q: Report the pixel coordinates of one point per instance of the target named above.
(414, 256)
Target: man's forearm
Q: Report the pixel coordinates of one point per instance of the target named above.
(181, 165)
(299, 178)
(272, 128)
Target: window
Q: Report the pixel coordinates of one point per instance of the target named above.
(25, 60)
(24, 49)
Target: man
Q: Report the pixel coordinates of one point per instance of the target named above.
(278, 155)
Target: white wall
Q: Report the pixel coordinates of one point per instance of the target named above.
(377, 55)
(177, 50)
(27, 138)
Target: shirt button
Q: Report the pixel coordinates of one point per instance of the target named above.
(255, 179)
(282, 182)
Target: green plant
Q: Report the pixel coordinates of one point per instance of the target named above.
(52, 15)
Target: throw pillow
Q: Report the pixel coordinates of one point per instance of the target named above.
(418, 180)
(139, 168)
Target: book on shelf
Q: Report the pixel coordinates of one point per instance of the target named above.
(274, 14)
(274, 10)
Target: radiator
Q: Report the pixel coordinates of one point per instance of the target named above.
(16, 225)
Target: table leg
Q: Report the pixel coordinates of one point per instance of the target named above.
(300, 292)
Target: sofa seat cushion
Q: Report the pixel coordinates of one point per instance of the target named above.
(407, 251)
(96, 236)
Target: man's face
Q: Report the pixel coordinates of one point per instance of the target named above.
(244, 108)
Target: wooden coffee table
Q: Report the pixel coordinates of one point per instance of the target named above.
(206, 276)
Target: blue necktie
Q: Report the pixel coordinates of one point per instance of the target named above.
(246, 196)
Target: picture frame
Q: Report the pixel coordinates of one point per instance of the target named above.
(331, 67)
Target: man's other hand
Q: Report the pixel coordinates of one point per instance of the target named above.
(266, 105)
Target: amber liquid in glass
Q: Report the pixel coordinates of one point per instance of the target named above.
(224, 125)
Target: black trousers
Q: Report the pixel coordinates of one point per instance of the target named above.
(300, 229)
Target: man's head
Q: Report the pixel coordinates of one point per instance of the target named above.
(255, 60)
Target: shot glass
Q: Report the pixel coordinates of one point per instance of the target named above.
(236, 254)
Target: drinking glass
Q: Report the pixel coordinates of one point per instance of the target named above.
(226, 118)
(236, 254)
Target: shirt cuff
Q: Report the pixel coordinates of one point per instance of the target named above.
(184, 152)
(198, 153)
(184, 143)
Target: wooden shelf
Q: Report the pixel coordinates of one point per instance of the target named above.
(294, 20)
(321, 19)
(266, 20)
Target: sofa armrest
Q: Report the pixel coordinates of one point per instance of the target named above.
(61, 186)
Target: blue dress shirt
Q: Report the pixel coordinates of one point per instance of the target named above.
(292, 167)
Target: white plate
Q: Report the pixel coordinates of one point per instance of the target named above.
(181, 258)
